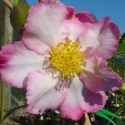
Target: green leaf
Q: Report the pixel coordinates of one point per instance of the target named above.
(104, 116)
(8, 113)
(104, 111)
(121, 49)
(120, 122)
(123, 87)
(15, 2)
(123, 38)
(19, 15)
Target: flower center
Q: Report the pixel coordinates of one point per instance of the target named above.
(67, 58)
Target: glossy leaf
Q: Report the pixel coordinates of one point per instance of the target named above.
(19, 15)
(121, 49)
(123, 38)
(123, 87)
(16, 2)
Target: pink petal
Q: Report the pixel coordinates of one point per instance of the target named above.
(103, 36)
(45, 25)
(16, 61)
(98, 77)
(41, 93)
(70, 11)
(80, 100)
(85, 17)
(76, 24)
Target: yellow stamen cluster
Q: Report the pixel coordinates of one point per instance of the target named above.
(67, 58)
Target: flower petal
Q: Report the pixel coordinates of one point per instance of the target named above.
(103, 36)
(45, 25)
(85, 17)
(70, 11)
(76, 24)
(41, 93)
(98, 77)
(16, 61)
(80, 100)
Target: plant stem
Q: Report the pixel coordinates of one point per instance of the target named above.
(87, 120)
(8, 4)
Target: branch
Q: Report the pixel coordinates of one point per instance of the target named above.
(40, 0)
(8, 4)
(87, 121)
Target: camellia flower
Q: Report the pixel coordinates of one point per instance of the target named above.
(61, 60)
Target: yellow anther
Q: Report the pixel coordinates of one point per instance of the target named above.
(67, 58)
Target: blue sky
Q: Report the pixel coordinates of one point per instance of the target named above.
(100, 8)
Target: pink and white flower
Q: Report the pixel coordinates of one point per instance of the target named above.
(61, 60)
